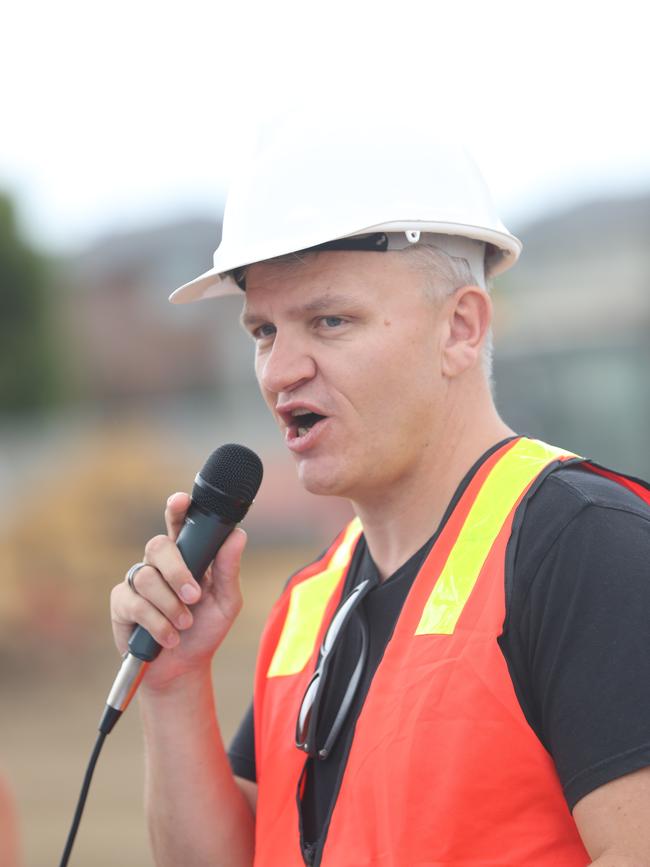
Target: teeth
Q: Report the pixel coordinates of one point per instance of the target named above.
(302, 431)
(301, 411)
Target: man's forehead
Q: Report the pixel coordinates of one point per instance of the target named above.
(332, 269)
(308, 277)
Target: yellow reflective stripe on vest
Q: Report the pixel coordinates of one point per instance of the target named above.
(307, 606)
(507, 480)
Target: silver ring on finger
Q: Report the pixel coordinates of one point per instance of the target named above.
(130, 575)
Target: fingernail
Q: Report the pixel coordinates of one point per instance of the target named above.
(189, 592)
(172, 639)
(185, 620)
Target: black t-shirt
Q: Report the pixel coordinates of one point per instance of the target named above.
(576, 637)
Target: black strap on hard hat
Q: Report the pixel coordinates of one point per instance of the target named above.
(376, 242)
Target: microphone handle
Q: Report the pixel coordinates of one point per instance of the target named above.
(201, 536)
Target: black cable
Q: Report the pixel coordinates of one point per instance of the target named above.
(82, 799)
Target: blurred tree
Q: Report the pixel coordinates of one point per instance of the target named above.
(28, 368)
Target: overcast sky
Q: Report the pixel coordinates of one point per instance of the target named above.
(125, 113)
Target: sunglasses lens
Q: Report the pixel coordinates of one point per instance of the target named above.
(304, 716)
(340, 617)
(313, 712)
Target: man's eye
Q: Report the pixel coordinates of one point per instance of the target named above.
(332, 321)
(262, 331)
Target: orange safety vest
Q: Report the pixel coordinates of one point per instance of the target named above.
(444, 768)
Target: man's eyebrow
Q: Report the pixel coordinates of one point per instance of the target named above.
(248, 319)
(322, 302)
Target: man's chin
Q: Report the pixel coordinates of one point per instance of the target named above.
(320, 481)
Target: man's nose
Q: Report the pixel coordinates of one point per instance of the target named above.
(287, 365)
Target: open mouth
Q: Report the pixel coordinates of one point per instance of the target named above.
(302, 421)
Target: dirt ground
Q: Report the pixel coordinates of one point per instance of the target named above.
(49, 725)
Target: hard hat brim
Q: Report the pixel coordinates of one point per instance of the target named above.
(503, 252)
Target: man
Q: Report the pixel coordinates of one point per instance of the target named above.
(460, 678)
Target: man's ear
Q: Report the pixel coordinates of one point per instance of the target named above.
(469, 315)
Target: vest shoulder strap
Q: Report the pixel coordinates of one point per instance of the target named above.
(309, 597)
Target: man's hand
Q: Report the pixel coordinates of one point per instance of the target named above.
(189, 621)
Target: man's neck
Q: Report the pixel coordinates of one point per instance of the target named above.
(399, 523)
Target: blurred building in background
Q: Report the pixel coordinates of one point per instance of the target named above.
(573, 333)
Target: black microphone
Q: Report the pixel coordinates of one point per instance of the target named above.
(222, 494)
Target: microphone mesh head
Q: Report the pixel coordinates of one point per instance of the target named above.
(231, 476)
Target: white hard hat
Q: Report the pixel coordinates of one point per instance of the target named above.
(310, 186)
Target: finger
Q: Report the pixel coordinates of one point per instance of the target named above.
(224, 573)
(163, 554)
(175, 511)
(228, 560)
(151, 585)
(128, 609)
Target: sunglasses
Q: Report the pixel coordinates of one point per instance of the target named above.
(312, 702)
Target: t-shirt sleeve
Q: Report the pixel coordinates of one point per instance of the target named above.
(241, 752)
(584, 640)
